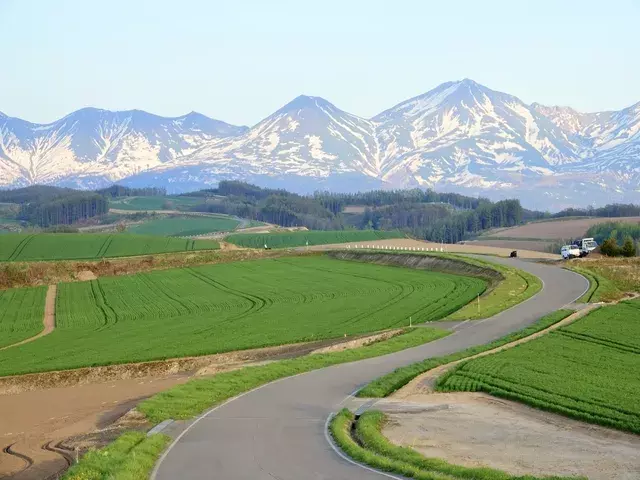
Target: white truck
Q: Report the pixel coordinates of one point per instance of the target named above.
(586, 246)
(570, 251)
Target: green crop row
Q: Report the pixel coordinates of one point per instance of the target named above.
(73, 246)
(21, 314)
(312, 237)
(587, 370)
(235, 306)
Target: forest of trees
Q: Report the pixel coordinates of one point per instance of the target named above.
(64, 210)
(440, 217)
(46, 206)
(424, 214)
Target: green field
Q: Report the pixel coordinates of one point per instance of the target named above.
(314, 237)
(588, 370)
(21, 313)
(155, 203)
(224, 307)
(185, 226)
(86, 246)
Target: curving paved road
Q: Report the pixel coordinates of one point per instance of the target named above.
(277, 432)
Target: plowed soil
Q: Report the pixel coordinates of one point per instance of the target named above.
(557, 229)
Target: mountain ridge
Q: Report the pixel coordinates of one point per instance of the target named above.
(460, 136)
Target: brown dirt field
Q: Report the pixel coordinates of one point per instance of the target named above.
(53, 415)
(475, 430)
(533, 245)
(49, 319)
(557, 229)
(409, 244)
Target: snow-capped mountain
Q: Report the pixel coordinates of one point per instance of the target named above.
(459, 136)
(93, 146)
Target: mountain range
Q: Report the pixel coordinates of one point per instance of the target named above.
(460, 136)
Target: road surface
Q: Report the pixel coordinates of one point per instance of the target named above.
(277, 432)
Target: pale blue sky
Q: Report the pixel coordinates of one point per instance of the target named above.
(240, 60)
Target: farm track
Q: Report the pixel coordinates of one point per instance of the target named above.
(16, 253)
(282, 425)
(48, 320)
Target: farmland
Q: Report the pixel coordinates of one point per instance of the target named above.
(60, 246)
(218, 308)
(587, 370)
(21, 311)
(155, 203)
(553, 230)
(185, 225)
(300, 239)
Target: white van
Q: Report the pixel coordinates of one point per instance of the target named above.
(570, 251)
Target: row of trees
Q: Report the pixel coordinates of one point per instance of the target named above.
(64, 211)
(610, 248)
(115, 191)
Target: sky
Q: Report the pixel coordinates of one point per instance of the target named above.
(241, 60)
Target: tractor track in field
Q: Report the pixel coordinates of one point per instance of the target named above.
(48, 320)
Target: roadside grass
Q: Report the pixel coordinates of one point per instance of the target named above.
(130, 457)
(587, 370)
(613, 277)
(387, 384)
(363, 441)
(192, 398)
(516, 287)
(601, 289)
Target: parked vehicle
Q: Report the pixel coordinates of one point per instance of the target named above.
(570, 251)
(586, 246)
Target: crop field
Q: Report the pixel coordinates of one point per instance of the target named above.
(85, 246)
(155, 203)
(552, 230)
(587, 370)
(185, 226)
(225, 307)
(21, 312)
(314, 237)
